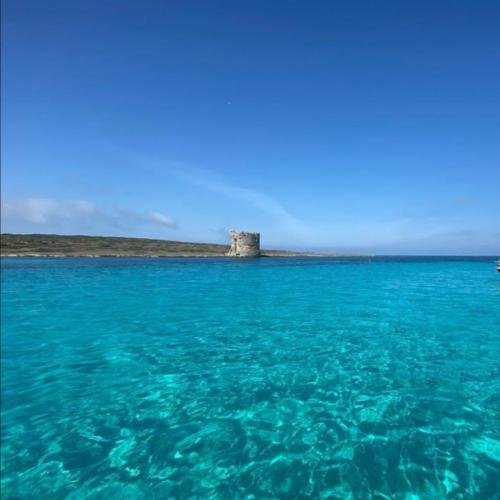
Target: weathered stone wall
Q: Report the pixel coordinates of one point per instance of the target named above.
(244, 244)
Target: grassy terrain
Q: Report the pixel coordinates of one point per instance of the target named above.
(55, 245)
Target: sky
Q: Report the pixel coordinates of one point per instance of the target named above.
(369, 126)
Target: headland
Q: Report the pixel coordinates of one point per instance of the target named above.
(53, 245)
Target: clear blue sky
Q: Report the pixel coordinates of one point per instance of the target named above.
(349, 125)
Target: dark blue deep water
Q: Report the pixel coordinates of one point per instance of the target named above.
(270, 378)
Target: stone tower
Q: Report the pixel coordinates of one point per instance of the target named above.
(244, 244)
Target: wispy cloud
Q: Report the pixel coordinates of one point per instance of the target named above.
(73, 215)
(45, 211)
(205, 179)
(162, 219)
(211, 181)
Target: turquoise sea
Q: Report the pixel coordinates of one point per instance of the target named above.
(251, 379)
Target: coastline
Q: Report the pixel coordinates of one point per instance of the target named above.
(51, 245)
(149, 256)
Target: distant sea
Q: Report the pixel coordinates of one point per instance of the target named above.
(270, 378)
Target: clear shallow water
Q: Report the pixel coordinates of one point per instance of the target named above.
(273, 378)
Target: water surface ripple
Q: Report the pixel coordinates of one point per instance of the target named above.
(270, 378)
